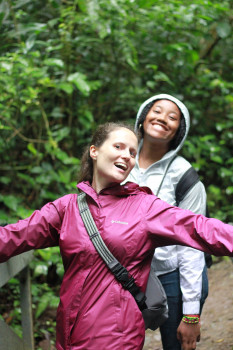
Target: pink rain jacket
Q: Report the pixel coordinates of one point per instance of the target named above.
(95, 312)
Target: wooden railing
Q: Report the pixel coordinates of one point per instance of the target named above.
(18, 265)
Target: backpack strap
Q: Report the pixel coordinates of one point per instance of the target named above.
(119, 271)
(186, 182)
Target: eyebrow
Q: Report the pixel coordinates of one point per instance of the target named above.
(169, 111)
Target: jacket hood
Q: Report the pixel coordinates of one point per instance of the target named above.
(180, 105)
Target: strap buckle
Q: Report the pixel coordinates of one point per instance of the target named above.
(120, 273)
(128, 283)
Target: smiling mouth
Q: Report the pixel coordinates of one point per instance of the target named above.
(121, 166)
(161, 125)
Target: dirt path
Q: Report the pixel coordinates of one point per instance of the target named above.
(217, 316)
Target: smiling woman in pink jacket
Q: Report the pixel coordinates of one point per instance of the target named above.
(95, 312)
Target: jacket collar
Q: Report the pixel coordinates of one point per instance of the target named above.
(129, 188)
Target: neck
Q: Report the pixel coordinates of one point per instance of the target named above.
(151, 152)
(98, 185)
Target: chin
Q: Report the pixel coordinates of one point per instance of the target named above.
(120, 179)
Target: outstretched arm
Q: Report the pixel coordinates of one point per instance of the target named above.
(168, 225)
(40, 230)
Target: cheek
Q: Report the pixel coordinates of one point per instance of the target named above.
(132, 164)
(175, 127)
(144, 127)
(176, 130)
(102, 162)
(146, 121)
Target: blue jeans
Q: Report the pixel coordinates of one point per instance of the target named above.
(171, 284)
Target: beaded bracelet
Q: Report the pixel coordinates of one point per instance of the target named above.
(191, 319)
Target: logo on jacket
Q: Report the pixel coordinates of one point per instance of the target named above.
(119, 222)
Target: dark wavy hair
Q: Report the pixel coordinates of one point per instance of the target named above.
(99, 137)
(180, 131)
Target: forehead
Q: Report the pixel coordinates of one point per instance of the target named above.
(123, 135)
(167, 104)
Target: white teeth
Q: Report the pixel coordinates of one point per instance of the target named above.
(159, 126)
(121, 166)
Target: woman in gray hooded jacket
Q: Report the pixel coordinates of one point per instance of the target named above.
(163, 123)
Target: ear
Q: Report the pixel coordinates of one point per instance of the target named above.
(93, 152)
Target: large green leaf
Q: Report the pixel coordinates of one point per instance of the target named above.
(80, 81)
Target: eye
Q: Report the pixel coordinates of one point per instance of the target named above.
(173, 117)
(133, 154)
(117, 146)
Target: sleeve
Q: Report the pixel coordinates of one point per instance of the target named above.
(168, 225)
(40, 230)
(191, 261)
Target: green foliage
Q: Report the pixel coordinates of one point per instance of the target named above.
(9, 295)
(44, 297)
(79, 63)
(45, 258)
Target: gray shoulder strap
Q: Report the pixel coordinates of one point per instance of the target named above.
(93, 232)
(118, 270)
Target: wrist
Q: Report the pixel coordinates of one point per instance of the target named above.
(191, 319)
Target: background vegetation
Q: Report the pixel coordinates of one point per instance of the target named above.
(66, 66)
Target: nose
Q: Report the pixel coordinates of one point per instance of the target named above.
(162, 118)
(126, 155)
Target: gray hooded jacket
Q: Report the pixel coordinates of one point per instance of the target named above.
(163, 182)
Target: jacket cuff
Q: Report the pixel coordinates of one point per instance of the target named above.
(191, 307)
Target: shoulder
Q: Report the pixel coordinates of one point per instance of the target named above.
(66, 198)
(176, 170)
(179, 166)
(183, 170)
(174, 180)
(63, 202)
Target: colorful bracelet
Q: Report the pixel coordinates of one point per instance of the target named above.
(192, 319)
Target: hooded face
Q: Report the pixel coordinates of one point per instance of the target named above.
(162, 121)
(114, 159)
